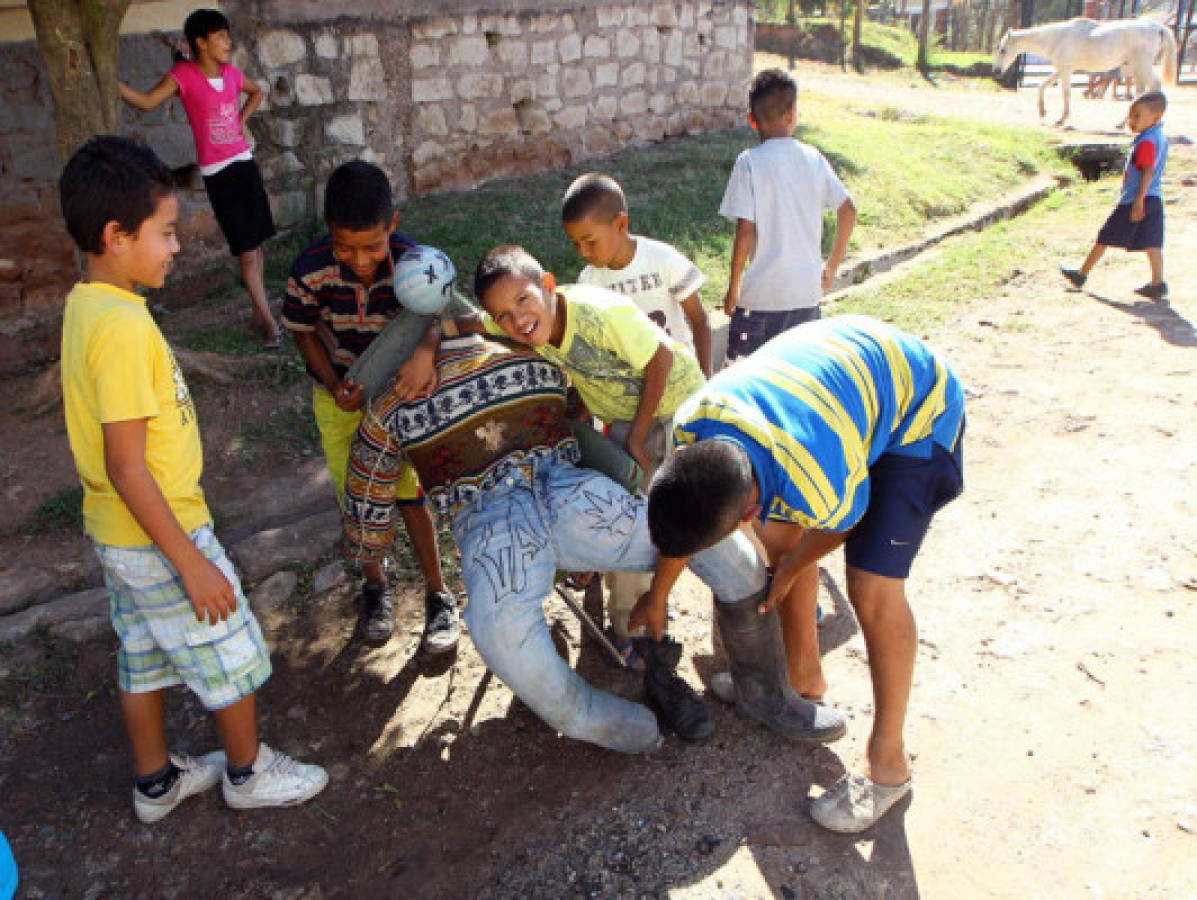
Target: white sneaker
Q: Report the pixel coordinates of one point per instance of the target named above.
(197, 774)
(278, 780)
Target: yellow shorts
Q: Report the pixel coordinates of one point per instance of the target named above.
(337, 429)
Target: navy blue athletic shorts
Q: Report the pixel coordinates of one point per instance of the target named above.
(1146, 234)
(904, 494)
(750, 329)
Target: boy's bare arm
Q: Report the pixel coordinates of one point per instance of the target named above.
(348, 396)
(812, 546)
(470, 323)
(253, 99)
(417, 375)
(742, 247)
(155, 97)
(845, 221)
(1139, 204)
(700, 327)
(124, 460)
(656, 376)
(652, 607)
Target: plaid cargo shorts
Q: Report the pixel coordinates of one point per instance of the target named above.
(162, 644)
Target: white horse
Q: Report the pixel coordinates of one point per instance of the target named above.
(1084, 45)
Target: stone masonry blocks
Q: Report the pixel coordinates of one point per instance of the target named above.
(313, 90)
(570, 48)
(596, 47)
(544, 52)
(281, 48)
(609, 16)
(575, 83)
(469, 51)
(425, 55)
(367, 80)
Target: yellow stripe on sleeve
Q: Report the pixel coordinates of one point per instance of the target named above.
(793, 458)
(933, 406)
(903, 380)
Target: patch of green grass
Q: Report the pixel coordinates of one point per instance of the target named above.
(903, 172)
(47, 668)
(226, 340)
(287, 430)
(61, 512)
(969, 268)
(902, 45)
(281, 253)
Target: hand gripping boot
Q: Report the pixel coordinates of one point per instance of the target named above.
(757, 654)
(678, 707)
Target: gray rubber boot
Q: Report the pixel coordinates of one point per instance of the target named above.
(757, 654)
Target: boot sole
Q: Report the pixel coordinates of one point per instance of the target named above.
(803, 737)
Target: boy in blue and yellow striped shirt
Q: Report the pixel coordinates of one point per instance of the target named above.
(845, 431)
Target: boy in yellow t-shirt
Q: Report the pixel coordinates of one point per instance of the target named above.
(176, 602)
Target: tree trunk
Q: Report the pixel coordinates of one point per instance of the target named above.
(843, 20)
(857, 29)
(78, 43)
(791, 17)
(924, 30)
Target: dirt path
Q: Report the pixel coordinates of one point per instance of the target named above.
(1051, 720)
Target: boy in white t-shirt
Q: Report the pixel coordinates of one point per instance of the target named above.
(652, 274)
(664, 285)
(776, 195)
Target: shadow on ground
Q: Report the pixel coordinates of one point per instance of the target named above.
(441, 785)
(1172, 326)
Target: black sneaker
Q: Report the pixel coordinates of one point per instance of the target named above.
(1153, 291)
(375, 617)
(441, 627)
(677, 705)
(1074, 276)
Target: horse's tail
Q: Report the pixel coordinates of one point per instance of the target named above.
(1168, 40)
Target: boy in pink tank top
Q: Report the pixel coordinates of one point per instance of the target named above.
(210, 89)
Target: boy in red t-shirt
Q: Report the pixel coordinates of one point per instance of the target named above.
(210, 89)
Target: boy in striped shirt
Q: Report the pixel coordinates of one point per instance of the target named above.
(845, 431)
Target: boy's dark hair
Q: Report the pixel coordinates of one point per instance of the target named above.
(1153, 100)
(202, 23)
(504, 260)
(772, 94)
(698, 496)
(358, 197)
(593, 194)
(110, 179)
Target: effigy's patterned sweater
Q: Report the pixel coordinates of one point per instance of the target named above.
(495, 408)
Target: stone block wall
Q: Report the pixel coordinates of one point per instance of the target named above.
(477, 91)
(518, 92)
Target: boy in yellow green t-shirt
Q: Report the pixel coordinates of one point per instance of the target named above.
(176, 602)
(628, 371)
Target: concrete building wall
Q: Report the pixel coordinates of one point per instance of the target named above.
(441, 100)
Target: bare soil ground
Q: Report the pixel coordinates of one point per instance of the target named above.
(1052, 718)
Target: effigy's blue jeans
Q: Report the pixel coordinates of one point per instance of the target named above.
(515, 536)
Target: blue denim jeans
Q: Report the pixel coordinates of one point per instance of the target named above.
(512, 541)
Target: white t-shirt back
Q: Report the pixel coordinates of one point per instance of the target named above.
(783, 185)
(657, 280)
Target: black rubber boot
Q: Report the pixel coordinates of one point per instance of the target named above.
(677, 705)
(757, 654)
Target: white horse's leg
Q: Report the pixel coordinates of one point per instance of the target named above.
(1065, 91)
(1042, 88)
